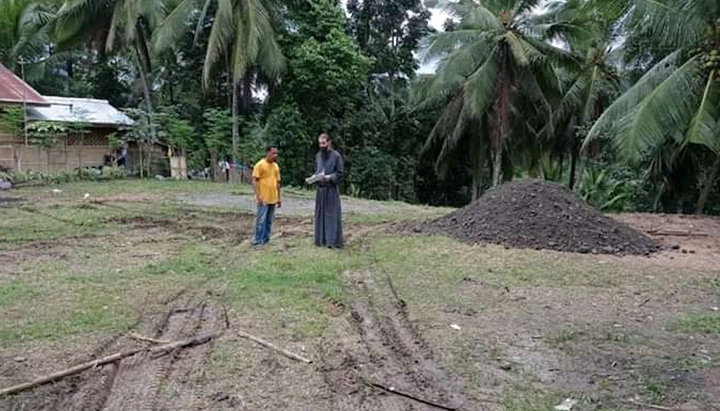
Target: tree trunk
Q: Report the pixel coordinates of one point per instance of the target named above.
(145, 87)
(502, 113)
(235, 120)
(148, 160)
(497, 166)
(142, 169)
(709, 185)
(478, 164)
(573, 167)
(214, 164)
(70, 72)
(247, 83)
(574, 153)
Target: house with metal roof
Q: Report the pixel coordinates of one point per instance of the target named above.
(94, 113)
(88, 124)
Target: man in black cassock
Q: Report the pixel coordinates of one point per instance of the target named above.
(328, 214)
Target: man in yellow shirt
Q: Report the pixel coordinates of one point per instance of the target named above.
(266, 183)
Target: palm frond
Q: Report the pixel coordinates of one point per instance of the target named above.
(221, 37)
(175, 25)
(666, 111)
(705, 126)
(523, 52)
(441, 44)
(74, 17)
(201, 19)
(633, 96)
(119, 19)
(445, 122)
(472, 14)
(452, 141)
(678, 22)
(480, 86)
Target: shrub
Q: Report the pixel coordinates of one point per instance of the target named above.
(63, 177)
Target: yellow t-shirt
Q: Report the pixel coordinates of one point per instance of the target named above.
(268, 175)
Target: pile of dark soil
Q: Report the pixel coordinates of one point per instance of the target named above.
(541, 215)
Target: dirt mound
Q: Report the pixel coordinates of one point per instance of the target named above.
(541, 215)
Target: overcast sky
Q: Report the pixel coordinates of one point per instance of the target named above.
(436, 21)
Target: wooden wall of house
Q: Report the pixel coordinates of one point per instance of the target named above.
(71, 152)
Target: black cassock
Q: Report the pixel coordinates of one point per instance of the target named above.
(328, 213)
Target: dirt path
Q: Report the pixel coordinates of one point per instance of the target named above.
(297, 205)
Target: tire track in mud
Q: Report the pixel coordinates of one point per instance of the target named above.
(384, 347)
(144, 382)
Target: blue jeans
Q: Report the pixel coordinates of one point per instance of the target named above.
(263, 223)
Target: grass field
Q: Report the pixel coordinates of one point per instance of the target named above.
(168, 260)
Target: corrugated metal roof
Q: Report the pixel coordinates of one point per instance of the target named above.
(14, 90)
(76, 110)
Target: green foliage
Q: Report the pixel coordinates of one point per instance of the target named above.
(383, 141)
(23, 31)
(217, 132)
(12, 120)
(287, 128)
(177, 132)
(45, 134)
(108, 80)
(142, 129)
(115, 141)
(326, 70)
(326, 77)
(610, 188)
(62, 177)
(602, 191)
(494, 80)
(242, 34)
(373, 175)
(638, 78)
(390, 32)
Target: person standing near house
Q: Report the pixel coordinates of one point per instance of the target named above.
(266, 184)
(328, 212)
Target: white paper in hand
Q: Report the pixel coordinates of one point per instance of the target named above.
(314, 178)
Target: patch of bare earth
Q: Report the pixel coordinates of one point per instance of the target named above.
(124, 249)
(688, 241)
(610, 345)
(380, 361)
(169, 380)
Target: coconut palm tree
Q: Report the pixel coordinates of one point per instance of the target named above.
(586, 28)
(491, 64)
(243, 32)
(113, 24)
(678, 99)
(23, 30)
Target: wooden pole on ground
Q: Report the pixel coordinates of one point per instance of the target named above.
(105, 360)
(272, 346)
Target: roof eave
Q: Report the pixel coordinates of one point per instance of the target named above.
(28, 102)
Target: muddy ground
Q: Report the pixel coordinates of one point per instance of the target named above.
(424, 323)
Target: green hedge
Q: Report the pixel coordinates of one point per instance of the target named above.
(79, 174)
